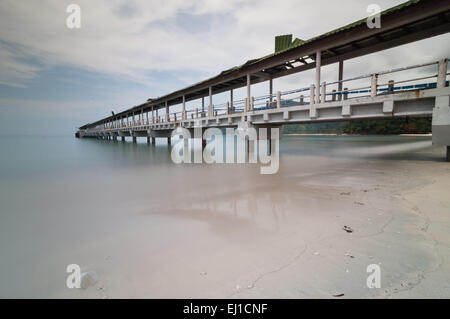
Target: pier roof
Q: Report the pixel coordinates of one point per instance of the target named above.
(408, 22)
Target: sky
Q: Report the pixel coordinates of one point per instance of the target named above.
(54, 79)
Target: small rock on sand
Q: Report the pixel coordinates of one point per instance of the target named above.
(88, 279)
(348, 229)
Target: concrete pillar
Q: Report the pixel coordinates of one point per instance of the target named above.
(148, 139)
(134, 139)
(373, 85)
(169, 140)
(154, 140)
(123, 138)
(340, 77)
(147, 118)
(318, 65)
(447, 158)
(441, 122)
(442, 73)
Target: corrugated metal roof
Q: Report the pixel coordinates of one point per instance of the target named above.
(283, 42)
(298, 42)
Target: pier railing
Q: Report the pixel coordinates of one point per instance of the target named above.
(367, 85)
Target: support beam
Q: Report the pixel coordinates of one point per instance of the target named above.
(203, 105)
(210, 96)
(248, 87)
(167, 112)
(318, 65)
(231, 97)
(340, 78)
(271, 90)
(210, 106)
(183, 117)
(442, 73)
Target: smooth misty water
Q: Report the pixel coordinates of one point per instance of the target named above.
(59, 195)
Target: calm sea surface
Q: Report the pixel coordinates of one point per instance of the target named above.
(60, 195)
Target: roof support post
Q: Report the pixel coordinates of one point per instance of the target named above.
(153, 114)
(278, 100)
(203, 105)
(183, 117)
(231, 97)
(318, 65)
(312, 90)
(167, 112)
(248, 88)
(373, 85)
(270, 90)
(324, 92)
(340, 76)
(442, 73)
(210, 106)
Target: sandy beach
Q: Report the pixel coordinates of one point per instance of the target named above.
(234, 233)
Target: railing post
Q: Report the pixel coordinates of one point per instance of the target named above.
(345, 93)
(302, 98)
(196, 113)
(373, 85)
(442, 73)
(228, 107)
(278, 100)
(312, 91)
(252, 106)
(324, 92)
(333, 95)
(391, 86)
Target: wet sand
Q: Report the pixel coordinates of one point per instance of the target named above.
(228, 232)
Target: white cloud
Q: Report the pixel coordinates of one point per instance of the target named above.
(131, 39)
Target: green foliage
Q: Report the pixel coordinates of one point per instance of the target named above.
(381, 126)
